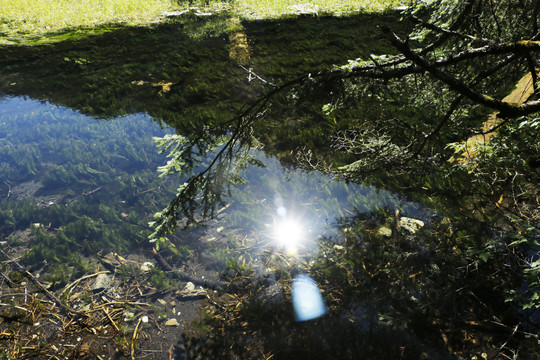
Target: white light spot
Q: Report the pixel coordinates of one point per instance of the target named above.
(288, 234)
(307, 299)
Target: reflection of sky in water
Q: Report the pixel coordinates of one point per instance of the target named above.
(69, 153)
(60, 136)
(295, 207)
(285, 208)
(18, 112)
(291, 207)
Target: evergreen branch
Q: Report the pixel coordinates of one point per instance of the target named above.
(449, 32)
(506, 109)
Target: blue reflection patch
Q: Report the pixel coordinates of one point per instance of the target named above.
(307, 299)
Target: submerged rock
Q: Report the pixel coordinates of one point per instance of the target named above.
(410, 224)
(162, 302)
(112, 260)
(102, 281)
(384, 231)
(190, 291)
(146, 266)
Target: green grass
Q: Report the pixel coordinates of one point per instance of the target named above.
(35, 21)
(23, 20)
(277, 8)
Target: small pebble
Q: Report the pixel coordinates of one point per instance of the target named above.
(172, 322)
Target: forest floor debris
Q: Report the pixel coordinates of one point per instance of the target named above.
(126, 319)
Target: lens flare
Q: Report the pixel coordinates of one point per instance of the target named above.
(307, 300)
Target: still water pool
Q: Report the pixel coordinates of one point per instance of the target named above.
(60, 168)
(79, 185)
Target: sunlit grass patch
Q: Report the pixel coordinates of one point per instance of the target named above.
(23, 18)
(276, 8)
(35, 21)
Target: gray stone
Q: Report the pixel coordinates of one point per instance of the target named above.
(102, 281)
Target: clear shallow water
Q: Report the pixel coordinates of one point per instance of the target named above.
(105, 170)
(36, 135)
(309, 203)
(75, 188)
(90, 183)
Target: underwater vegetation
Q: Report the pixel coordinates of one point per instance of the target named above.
(92, 188)
(86, 186)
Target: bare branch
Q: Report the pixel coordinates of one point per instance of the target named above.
(460, 19)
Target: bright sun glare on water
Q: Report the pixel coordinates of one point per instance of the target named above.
(289, 234)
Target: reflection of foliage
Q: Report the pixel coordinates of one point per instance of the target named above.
(439, 292)
(203, 191)
(442, 292)
(398, 121)
(163, 72)
(228, 141)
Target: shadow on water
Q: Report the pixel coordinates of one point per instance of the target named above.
(181, 72)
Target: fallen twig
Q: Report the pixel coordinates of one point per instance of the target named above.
(252, 75)
(134, 338)
(110, 319)
(15, 306)
(9, 190)
(161, 261)
(92, 191)
(217, 212)
(145, 191)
